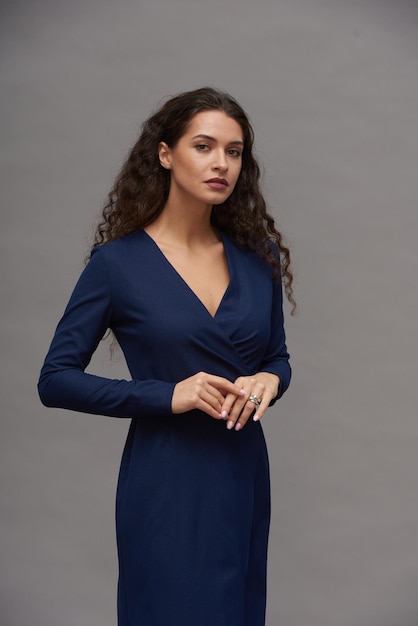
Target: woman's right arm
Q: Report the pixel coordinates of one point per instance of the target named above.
(63, 381)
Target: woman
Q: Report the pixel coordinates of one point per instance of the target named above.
(185, 271)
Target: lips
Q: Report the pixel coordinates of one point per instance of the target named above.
(217, 183)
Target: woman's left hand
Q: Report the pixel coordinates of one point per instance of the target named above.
(261, 388)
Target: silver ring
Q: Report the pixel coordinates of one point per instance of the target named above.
(253, 398)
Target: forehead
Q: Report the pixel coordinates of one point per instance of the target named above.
(215, 124)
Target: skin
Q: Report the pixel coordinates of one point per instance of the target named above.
(210, 148)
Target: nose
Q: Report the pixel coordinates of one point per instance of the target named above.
(220, 161)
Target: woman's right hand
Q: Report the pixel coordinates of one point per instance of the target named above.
(204, 392)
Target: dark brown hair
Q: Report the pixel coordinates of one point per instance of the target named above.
(141, 188)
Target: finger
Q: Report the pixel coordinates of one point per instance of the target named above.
(209, 405)
(243, 417)
(252, 407)
(210, 389)
(243, 407)
(264, 405)
(224, 402)
(232, 401)
(228, 403)
(226, 386)
(236, 411)
(214, 398)
(217, 395)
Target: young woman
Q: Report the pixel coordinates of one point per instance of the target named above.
(186, 270)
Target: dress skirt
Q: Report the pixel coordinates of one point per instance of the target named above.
(192, 526)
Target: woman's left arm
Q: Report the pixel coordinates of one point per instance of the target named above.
(276, 357)
(272, 379)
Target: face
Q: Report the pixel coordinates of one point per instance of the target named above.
(206, 161)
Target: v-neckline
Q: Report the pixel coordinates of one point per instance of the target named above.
(186, 284)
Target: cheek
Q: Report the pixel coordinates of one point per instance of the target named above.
(189, 165)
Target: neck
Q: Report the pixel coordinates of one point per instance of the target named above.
(188, 225)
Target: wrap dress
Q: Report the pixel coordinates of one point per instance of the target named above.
(193, 498)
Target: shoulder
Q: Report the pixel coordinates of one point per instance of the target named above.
(245, 255)
(132, 254)
(133, 243)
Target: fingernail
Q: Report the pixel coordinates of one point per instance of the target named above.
(256, 418)
(224, 414)
(243, 392)
(230, 425)
(238, 426)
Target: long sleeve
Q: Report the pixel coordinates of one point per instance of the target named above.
(63, 382)
(276, 358)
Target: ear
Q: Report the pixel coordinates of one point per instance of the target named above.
(164, 154)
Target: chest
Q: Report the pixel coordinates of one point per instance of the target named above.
(166, 301)
(205, 273)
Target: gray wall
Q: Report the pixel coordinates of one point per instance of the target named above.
(332, 89)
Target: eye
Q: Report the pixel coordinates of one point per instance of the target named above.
(234, 153)
(202, 147)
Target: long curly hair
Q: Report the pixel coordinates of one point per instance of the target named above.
(141, 189)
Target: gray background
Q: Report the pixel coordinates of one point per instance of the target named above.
(332, 89)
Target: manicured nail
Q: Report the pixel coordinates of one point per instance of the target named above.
(238, 426)
(224, 414)
(256, 418)
(243, 392)
(230, 425)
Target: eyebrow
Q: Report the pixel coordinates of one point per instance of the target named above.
(240, 143)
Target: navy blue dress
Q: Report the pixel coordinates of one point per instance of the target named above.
(193, 498)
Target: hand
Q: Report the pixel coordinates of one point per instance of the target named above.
(204, 392)
(237, 409)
